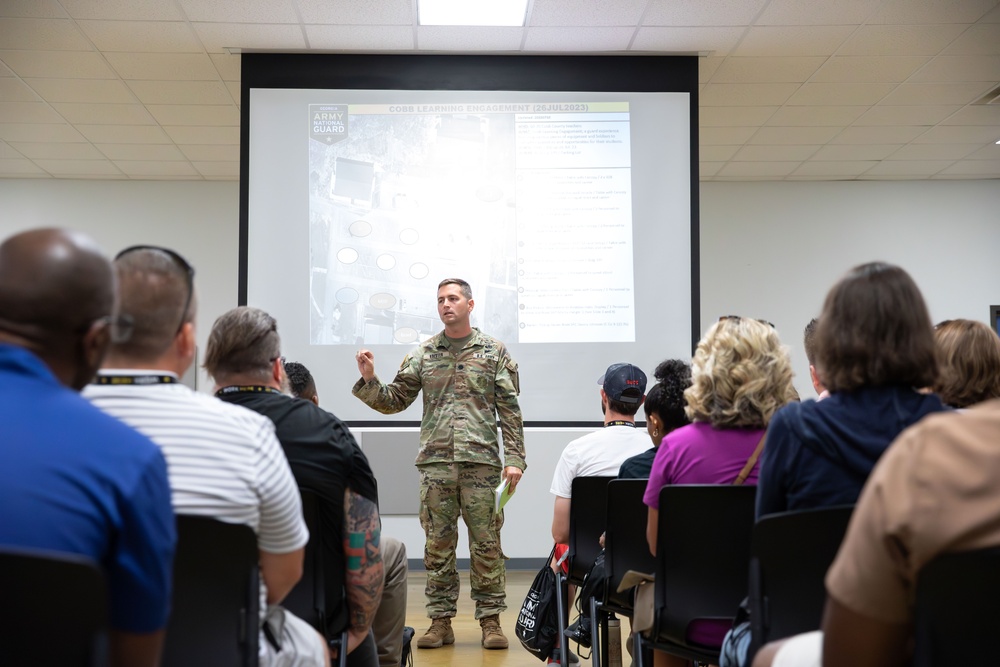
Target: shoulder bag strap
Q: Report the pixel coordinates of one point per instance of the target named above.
(742, 477)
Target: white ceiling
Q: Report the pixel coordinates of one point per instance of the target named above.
(790, 89)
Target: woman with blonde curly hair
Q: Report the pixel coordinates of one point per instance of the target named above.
(969, 358)
(740, 376)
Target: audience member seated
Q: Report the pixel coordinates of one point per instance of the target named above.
(740, 376)
(809, 342)
(934, 491)
(873, 346)
(73, 479)
(664, 407)
(969, 356)
(390, 619)
(224, 461)
(244, 358)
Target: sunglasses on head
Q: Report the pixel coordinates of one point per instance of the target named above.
(179, 261)
(740, 317)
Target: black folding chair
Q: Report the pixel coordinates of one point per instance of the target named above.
(55, 609)
(703, 552)
(587, 517)
(956, 603)
(789, 556)
(215, 621)
(320, 588)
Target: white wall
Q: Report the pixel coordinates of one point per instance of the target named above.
(769, 250)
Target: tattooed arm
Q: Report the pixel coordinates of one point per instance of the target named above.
(364, 572)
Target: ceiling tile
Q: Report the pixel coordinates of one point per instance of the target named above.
(156, 168)
(794, 135)
(932, 11)
(884, 114)
(57, 64)
(166, 66)
(976, 115)
(360, 38)
(868, 69)
(899, 40)
(758, 168)
(747, 94)
(582, 40)
(42, 35)
(855, 152)
(57, 151)
(793, 40)
(838, 169)
(935, 93)
(851, 94)
(716, 153)
(455, 38)
(77, 167)
(181, 92)
(28, 112)
(933, 152)
(41, 9)
(357, 12)
(991, 152)
(737, 69)
(959, 134)
(227, 65)
(140, 152)
(207, 153)
(709, 41)
(724, 136)
(817, 12)
(204, 135)
(922, 168)
(590, 13)
(900, 134)
(104, 114)
(124, 134)
(35, 132)
(217, 37)
(123, 10)
(734, 116)
(978, 40)
(192, 114)
(815, 116)
(111, 91)
(251, 11)
(960, 68)
(14, 90)
(219, 169)
(699, 12)
(142, 36)
(982, 168)
(752, 153)
(16, 166)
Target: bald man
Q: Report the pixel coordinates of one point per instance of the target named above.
(73, 479)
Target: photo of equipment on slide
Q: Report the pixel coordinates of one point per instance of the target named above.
(531, 203)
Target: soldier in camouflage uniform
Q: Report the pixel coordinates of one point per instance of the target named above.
(468, 379)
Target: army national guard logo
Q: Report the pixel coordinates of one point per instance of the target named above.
(328, 122)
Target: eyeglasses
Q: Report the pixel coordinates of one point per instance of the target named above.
(181, 262)
(740, 317)
(272, 360)
(119, 326)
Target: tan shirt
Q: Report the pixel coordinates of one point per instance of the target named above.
(935, 490)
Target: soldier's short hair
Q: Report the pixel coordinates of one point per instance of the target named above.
(465, 287)
(300, 380)
(243, 341)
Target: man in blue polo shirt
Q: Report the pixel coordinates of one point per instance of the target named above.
(73, 479)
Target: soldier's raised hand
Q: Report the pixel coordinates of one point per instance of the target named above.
(366, 364)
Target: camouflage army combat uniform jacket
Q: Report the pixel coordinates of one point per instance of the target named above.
(463, 395)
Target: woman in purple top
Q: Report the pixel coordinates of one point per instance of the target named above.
(740, 376)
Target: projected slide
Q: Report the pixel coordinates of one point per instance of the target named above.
(529, 202)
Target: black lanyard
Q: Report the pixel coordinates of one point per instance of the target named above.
(619, 422)
(247, 389)
(139, 380)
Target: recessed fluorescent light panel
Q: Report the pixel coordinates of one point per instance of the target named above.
(472, 12)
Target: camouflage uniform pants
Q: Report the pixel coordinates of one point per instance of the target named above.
(448, 490)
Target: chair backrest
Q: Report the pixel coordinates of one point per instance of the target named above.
(55, 609)
(625, 546)
(703, 553)
(587, 517)
(956, 603)
(318, 598)
(789, 556)
(215, 619)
